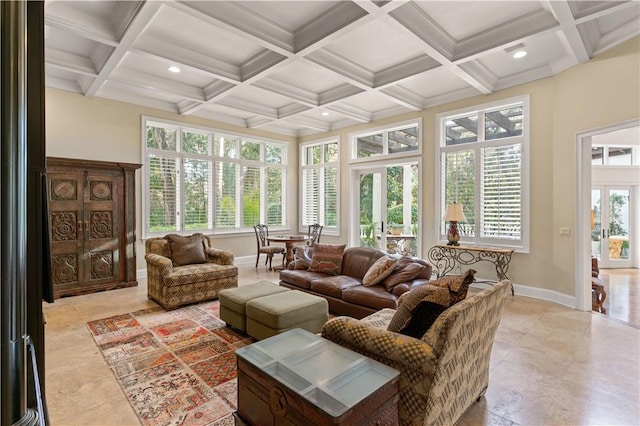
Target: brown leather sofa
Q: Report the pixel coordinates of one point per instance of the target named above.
(345, 293)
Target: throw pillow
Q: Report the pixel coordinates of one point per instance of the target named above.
(402, 274)
(409, 300)
(380, 270)
(458, 285)
(187, 250)
(425, 314)
(327, 258)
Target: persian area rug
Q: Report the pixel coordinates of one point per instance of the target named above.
(175, 367)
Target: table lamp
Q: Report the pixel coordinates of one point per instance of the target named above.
(453, 215)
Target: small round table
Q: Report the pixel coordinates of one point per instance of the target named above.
(288, 241)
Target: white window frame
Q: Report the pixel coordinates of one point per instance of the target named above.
(385, 130)
(214, 160)
(304, 227)
(522, 245)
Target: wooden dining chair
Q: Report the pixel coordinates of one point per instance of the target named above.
(262, 238)
(313, 234)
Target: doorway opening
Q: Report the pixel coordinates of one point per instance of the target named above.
(608, 214)
(385, 207)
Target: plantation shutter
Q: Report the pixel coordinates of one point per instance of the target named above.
(310, 196)
(226, 195)
(458, 185)
(501, 193)
(250, 196)
(330, 197)
(163, 194)
(275, 200)
(197, 187)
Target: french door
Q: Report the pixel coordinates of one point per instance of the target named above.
(372, 211)
(386, 206)
(611, 226)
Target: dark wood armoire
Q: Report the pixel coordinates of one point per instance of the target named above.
(92, 225)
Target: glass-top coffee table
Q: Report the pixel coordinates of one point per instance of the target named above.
(300, 378)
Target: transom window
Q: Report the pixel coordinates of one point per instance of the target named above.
(207, 181)
(614, 156)
(319, 177)
(402, 138)
(483, 156)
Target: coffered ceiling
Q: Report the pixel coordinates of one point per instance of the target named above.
(304, 67)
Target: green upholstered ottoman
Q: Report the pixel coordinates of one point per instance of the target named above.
(233, 301)
(277, 313)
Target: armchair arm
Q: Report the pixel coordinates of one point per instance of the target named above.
(221, 257)
(164, 264)
(412, 357)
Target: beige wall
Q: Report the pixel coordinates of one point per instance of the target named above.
(101, 129)
(601, 92)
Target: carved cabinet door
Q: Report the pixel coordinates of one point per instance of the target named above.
(85, 230)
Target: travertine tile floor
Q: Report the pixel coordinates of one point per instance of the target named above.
(551, 365)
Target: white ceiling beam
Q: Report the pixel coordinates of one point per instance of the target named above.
(563, 14)
(314, 124)
(142, 18)
(173, 53)
(248, 106)
(69, 19)
(399, 72)
(292, 109)
(239, 20)
(506, 33)
(70, 62)
(303, 96)
(351, 112)
(148, 81)
(216, 89)
(254, 122)
(434, 42)
(404, 97)
(63, 84)
(338, 93)
(329, 25)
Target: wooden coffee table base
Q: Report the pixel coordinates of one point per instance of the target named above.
(264, 401)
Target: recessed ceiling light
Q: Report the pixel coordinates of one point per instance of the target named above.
(325, 113)
(519, 54)
(174, 69)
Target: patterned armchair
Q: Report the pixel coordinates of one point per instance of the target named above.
(445, 371)
(177, 277)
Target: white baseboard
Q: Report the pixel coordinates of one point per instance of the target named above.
(141, 274)
(539, 293)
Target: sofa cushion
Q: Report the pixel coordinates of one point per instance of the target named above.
(458, 285)
(380, 270)
(300, 278)
(187, 250)
(334, 285)
(357, 260)
(408, 301)
(191, 274)
(376, 297)
(327, 258)
(404, 271)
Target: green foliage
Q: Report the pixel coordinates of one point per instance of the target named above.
(616, 204)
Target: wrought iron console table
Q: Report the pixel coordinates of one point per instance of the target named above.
(444, 258)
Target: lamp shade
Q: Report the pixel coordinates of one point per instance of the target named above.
(454, 213)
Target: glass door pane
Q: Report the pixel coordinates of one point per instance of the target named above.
(618, 229)
(611, 224)
(388, 209)
(596, 223)
(372, 210)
